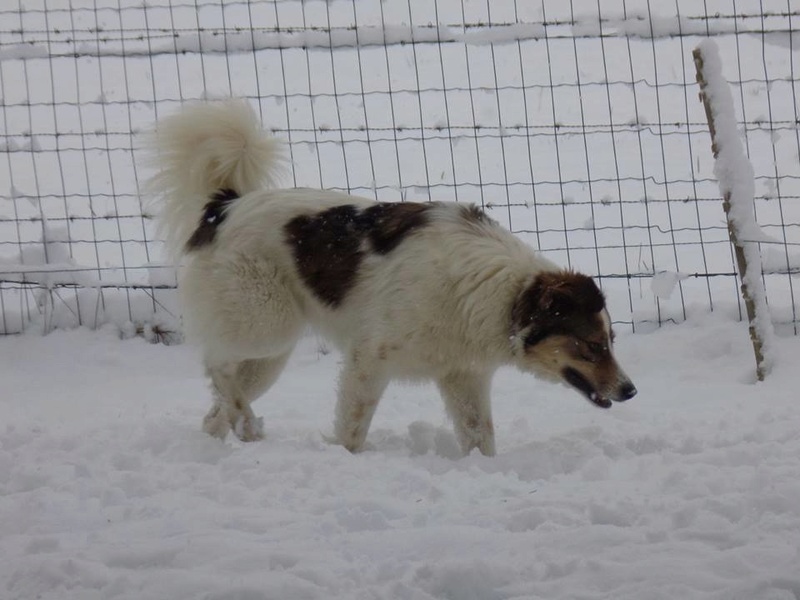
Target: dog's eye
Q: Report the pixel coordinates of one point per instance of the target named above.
(594, 351)
(596, 348)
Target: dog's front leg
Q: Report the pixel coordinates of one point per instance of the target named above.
(466, 396)
(361, 385)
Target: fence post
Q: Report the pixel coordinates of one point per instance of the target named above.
(736, 182)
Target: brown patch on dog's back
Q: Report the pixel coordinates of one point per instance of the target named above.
(389, 224)
(329, 247)
(327, 251)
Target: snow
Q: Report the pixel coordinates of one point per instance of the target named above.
(734, 173)
(263, 39)
(663, 283)
(642, 24)
(108, 489)
(636, 22)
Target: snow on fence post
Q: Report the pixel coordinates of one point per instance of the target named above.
(735, 177)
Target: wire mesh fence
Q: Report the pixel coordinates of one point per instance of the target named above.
(575, 124)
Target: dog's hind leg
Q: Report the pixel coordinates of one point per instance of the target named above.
(361, 385)
(466, 397)
(235, 386)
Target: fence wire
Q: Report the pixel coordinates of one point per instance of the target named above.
(575, 124)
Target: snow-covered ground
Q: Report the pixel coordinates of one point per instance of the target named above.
(108, 489)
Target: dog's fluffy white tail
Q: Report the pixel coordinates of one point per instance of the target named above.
(201, 150)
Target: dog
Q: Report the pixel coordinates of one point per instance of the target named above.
(425, 291)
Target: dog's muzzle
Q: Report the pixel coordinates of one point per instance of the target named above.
(623, 391)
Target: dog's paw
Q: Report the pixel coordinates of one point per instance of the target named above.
(330, 439)
(249, 429)
(216, 423)
(333, 440)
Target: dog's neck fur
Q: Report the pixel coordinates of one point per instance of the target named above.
(501, 267)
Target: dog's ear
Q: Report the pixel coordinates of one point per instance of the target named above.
(554, 302)
(590, 297)
(556, 295)
(566, 292)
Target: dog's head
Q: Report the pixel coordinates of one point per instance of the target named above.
(560, 330)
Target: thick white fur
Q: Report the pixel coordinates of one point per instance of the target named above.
(437, 307)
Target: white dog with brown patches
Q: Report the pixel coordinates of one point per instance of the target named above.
(419, 291)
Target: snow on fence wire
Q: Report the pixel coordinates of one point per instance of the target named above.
(577, 126)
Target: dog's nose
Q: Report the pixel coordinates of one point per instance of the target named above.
(627, 391)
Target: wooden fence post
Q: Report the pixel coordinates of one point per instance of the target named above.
(749, 269)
